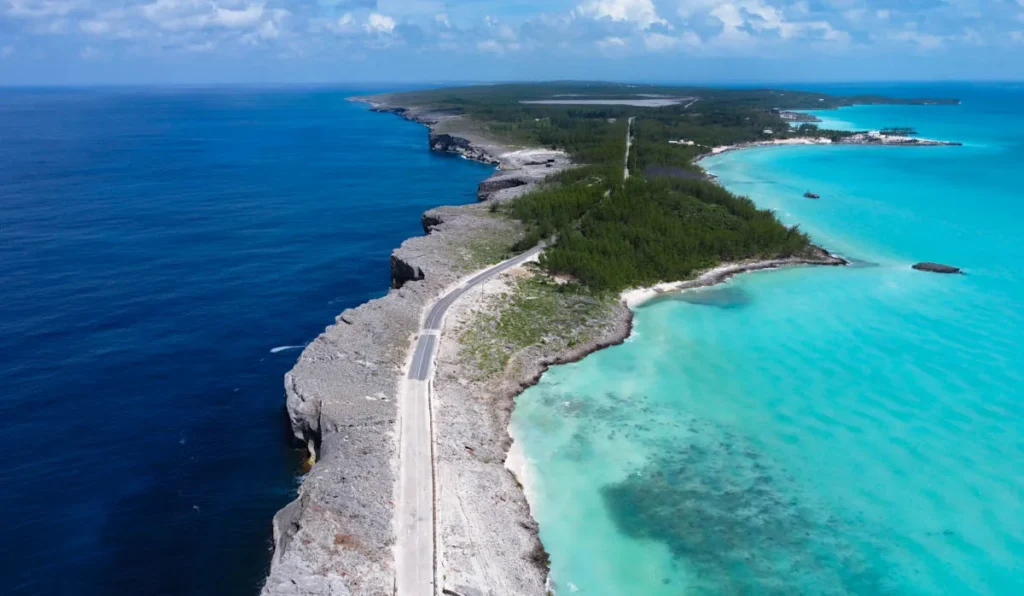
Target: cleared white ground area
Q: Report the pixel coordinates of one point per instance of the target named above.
(658, 102)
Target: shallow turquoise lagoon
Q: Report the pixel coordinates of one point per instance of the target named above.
(816, 430)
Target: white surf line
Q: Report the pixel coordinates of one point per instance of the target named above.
(415, 547)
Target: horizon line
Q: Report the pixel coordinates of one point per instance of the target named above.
(435, 82)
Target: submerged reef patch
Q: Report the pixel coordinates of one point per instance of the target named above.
(724, 296)
(738, 525)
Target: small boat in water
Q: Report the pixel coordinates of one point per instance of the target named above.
(811, 195)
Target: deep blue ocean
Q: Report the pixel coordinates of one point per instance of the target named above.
(156, 246)
(853, 430)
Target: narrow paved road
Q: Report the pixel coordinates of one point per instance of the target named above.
(414, 557)
(629, 143)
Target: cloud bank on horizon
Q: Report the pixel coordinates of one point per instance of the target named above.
(267, 40)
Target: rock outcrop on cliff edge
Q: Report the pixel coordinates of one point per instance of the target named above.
(449, 144)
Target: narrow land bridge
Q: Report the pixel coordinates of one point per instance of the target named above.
(414, 559)
(415, 564)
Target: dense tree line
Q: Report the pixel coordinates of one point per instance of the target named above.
(590, 138)
(594, 134)
(475, 99)
(647, 231)
(610, 234)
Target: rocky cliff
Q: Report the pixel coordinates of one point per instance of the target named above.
(449, 144)
(337, 536)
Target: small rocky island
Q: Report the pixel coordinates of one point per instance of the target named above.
(875, 137)
(937, 268)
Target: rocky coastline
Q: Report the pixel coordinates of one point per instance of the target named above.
(337, 536)
(872, 138)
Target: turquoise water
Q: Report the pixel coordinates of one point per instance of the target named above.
(815, 430)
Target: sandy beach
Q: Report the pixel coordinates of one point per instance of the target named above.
(873, 138)
(638, 296)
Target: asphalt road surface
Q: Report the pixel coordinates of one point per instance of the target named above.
(414, 557)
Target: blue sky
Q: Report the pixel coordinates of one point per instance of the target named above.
(230, 41)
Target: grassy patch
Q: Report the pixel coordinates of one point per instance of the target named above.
(481, 252)
(536, 311)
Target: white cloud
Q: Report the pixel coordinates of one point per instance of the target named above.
(639, 12)
(204, 46)
(732, 20)
(971, 36)
(491, 45)
(689, 8)
(925, 41)
(500, 30)
(89, 53)
(659, 42)
(6, 52)
(770, 18)
(111, 25)
(741, 19)
(95, 27)
(610, 27)
(266, 31)
(56, 27)
(612, 42)
(379, 24)
(167, 13)
(410, 7)
(501, 38)
(235, 19)
(346, 23)
(39, 9)
(854, 15)
(179, 15)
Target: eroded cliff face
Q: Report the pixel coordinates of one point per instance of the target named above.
(452, 144)
(403, 270)
(337, 537)
(490, 188)
(430, 220)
